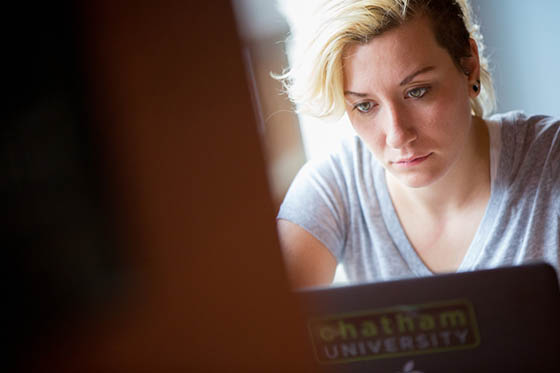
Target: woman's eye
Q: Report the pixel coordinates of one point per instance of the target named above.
(417, 92)
(364, 107)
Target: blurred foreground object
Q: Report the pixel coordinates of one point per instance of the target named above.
(138, 205)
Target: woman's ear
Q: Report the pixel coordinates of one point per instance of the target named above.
(471, 67)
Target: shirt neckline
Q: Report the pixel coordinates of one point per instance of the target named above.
(396, 231)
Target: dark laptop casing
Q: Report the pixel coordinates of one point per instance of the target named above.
(514, 323)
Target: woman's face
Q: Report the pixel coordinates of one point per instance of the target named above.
(409, 102)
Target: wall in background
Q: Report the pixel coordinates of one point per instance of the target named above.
(263, 30)
(522, 43)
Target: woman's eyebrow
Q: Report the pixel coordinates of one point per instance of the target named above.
(354, 94)
(418, 72)
(404, 81)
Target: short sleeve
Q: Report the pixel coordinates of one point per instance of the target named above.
(545, 137)
(316, 201)
(554, 161)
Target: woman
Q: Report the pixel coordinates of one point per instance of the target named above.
(432, 183)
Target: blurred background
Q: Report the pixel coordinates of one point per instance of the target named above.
(522, 44)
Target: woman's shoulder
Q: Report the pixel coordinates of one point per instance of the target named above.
(321, 195)
(530, 145)
(525, 134)
(350, 149)
(520, 125)
(338, 177)
(348, 159)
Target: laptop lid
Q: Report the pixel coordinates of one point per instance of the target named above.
(499, 320)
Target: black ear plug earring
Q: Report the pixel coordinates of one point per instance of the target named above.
(476, 86)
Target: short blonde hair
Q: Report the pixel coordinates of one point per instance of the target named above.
(314, 82)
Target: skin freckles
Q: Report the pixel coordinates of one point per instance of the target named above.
(409, 103)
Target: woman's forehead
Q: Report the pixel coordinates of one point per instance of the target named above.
(395, 52)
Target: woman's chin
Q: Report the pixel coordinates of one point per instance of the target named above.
(415, 179)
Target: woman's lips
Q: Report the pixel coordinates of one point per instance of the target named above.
(412, 161)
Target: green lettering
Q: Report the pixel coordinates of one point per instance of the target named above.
(405, 323)
(327, 333)
(386, 325)
(451, 318)
(347, 330)
(427, 322)
(369, 329)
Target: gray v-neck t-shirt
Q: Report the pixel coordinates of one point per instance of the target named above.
(344, 202)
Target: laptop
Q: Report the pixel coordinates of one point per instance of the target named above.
(497, 320)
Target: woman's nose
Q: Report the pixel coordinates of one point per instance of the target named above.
(399, 131)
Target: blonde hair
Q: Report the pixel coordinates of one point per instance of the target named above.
(314, 82)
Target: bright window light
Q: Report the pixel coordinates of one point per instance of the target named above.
(320, 137)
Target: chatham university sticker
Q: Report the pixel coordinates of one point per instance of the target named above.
(394, 332)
